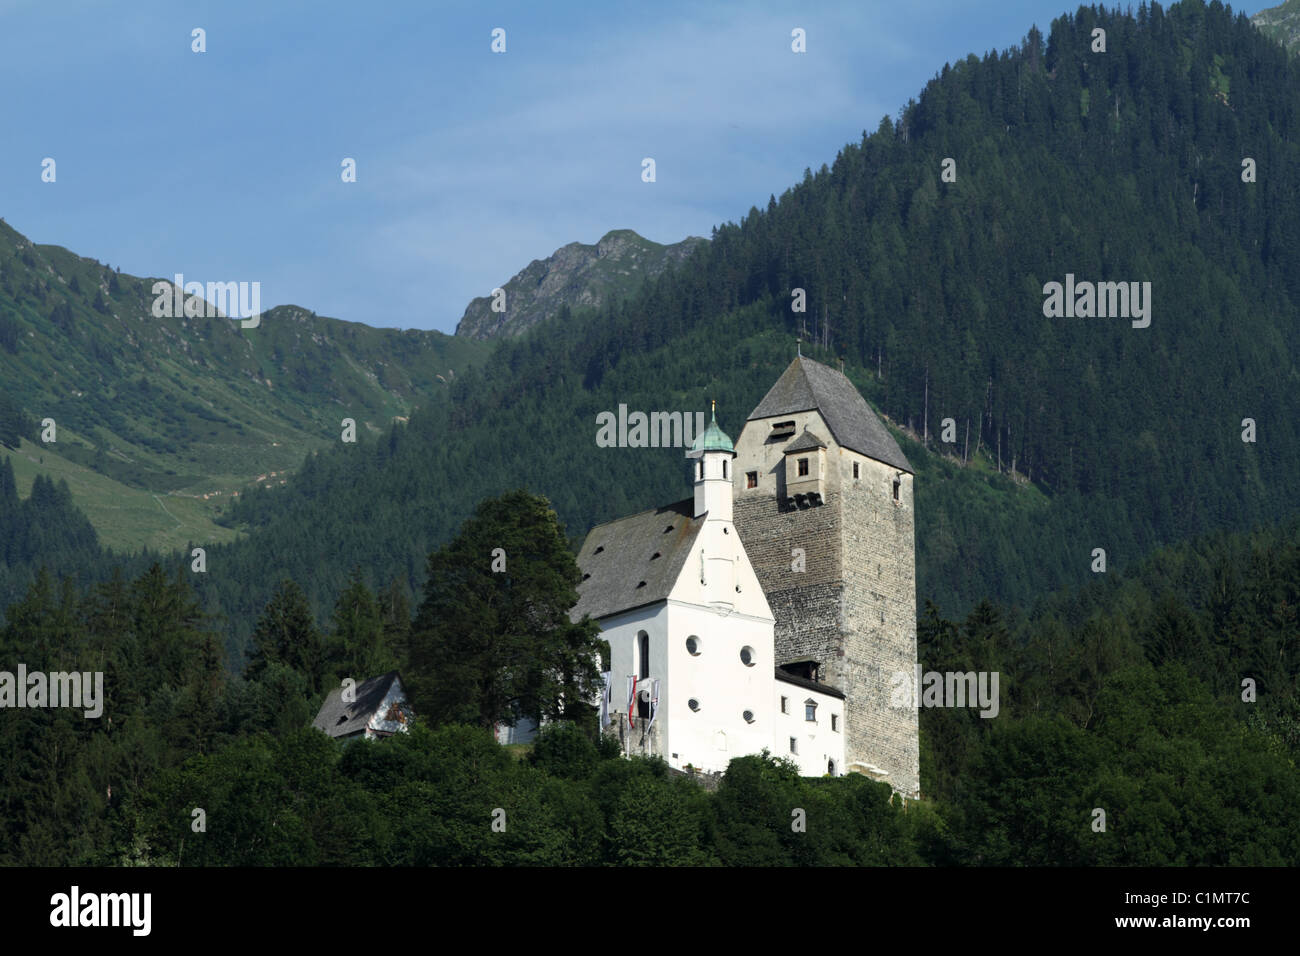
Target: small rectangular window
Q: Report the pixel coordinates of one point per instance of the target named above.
(803, 468)
(835, 721)
(751, 479)
(794, 745)
(855, 469)
(897, 483)
(785, 705)
(810, 711)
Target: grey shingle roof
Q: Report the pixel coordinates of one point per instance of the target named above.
(807, 385)
(805, 442)
(619, 564)
(339, 718)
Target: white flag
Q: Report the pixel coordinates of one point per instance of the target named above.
(654, 704)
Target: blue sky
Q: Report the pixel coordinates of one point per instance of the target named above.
(225, 165)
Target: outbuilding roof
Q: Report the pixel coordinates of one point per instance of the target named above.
(340, 718)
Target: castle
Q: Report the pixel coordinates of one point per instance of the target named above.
(773, 609)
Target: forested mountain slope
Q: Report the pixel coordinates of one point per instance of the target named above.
(1122, 166)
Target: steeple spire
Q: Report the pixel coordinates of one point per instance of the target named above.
(713, 452)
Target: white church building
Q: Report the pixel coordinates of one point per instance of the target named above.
(776, 607)
(693, 676)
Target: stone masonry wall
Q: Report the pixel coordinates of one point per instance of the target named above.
(854, 606)
(880, 623)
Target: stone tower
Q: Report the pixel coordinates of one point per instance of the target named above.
(823, 506)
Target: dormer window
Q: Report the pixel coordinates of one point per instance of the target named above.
(781, 430)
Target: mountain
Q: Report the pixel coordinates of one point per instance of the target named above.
(197, 409)
(1282, 23)
(1048, 437)
(574, 276)
(1037, 439)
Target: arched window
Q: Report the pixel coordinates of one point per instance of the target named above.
(724, 468)
(643, 653)
(830, 767)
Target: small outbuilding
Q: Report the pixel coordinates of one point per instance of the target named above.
(374, 708)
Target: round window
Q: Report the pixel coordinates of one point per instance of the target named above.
(693, 645)
(747, 656)
(693, 704)
(749, 716)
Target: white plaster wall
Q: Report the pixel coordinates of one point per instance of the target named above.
(818, 744)
(524, 732)
(725, 567)
(621, 631)
(377, 724)
(724, 686)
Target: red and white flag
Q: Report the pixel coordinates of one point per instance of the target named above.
(631, 699)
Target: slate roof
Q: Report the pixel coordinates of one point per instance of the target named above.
(807, 385)
(619, 565)
(339, 718)
(805, 442)
(821, 688)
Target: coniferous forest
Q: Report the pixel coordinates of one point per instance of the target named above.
(1166, 689)
(1123, 695)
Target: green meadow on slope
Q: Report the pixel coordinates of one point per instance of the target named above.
(124, 517)
(194, 405)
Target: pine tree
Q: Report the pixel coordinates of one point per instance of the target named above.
(286, 634)
(491, 646)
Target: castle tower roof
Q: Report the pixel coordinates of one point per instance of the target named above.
(811, 386)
